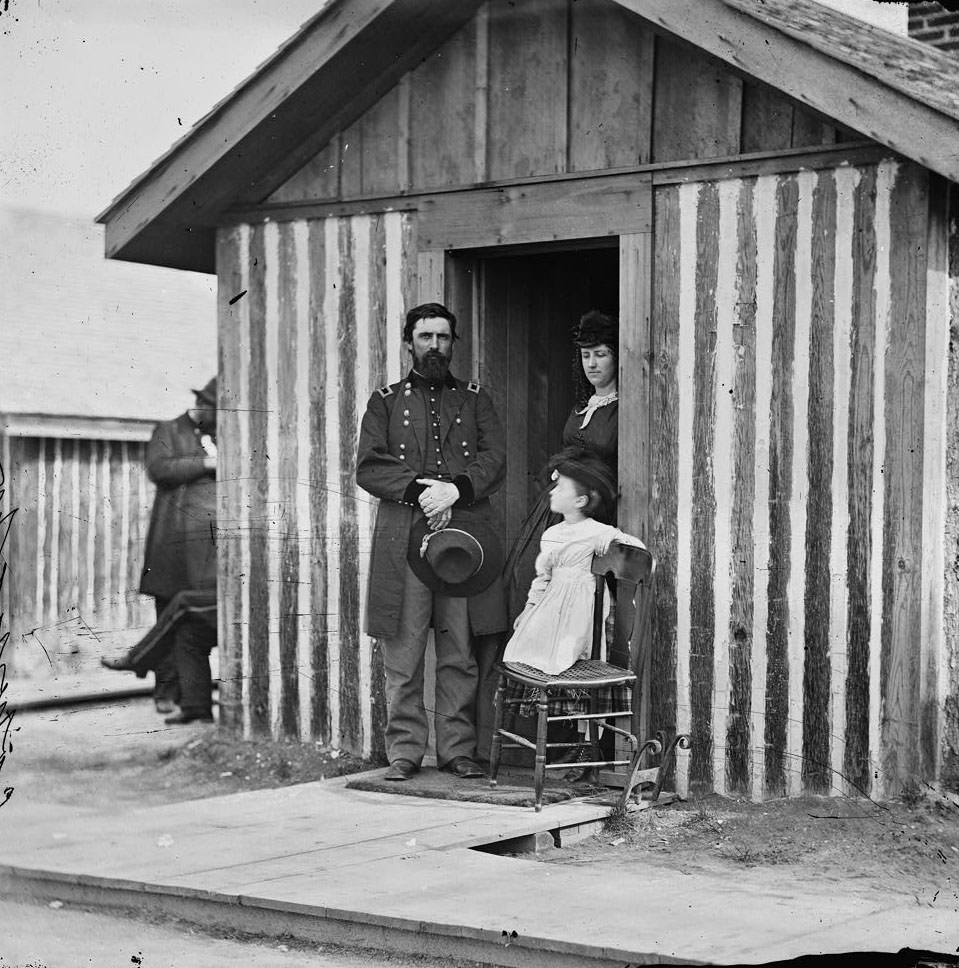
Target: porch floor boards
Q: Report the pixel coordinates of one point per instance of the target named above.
(327, 863)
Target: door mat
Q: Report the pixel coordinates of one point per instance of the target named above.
(512, 790)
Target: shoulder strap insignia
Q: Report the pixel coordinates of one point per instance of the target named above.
(473, 387)
(385, 391)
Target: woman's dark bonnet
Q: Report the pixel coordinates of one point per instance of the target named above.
(596, 328)
(593, 329)
(593, 477)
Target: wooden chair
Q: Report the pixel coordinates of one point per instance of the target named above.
(622, 567)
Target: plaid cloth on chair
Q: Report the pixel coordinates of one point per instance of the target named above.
(567, 702)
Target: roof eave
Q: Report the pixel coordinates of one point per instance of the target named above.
(825, 84)
(219, 109)
(353, 51)
(340, 64)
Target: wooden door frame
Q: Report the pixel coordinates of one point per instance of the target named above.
(635, 417)
(449, 276)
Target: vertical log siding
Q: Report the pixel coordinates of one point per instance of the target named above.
(946, 690)
(794, 445)
(790, 421)
(315, 329)
(75, 550)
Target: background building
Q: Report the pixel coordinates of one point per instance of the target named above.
(93, 354)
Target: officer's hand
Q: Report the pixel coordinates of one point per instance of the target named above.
(209, 463)
(440, 520)
(438, 496)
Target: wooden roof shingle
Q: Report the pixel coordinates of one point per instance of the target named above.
(914, 68)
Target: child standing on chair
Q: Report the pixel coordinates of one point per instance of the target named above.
(555, 629)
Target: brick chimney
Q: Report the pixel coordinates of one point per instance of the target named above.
(934, 24)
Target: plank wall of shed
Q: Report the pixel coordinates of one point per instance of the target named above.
(80, 510)
(799, 434)
(944, 698)
(799, 447)
(309, 317)
(546, 88)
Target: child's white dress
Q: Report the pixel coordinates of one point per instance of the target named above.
(555, 630)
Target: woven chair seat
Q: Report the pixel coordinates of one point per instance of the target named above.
(583, 674)
(595, 694)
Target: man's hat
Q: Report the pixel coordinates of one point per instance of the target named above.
(208, 393)
(459, 560)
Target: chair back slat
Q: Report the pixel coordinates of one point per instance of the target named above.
(598, 617)
(625, 562)
(631, 571)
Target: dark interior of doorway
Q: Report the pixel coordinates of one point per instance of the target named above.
(528, 303)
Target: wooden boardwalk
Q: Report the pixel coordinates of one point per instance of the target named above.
(325, 863)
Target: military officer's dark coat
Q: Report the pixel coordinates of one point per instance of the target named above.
(181, 543)
(396, 447)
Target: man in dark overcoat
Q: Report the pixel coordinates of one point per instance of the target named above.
(427, 444)
(181, 554)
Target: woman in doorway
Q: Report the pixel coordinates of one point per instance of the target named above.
(593, 425)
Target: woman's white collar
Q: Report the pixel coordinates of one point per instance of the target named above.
(594, 403)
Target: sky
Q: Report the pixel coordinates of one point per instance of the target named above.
(94, 92)
(97, 90)
(883, 13)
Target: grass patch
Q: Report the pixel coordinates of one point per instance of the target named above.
(911, 793)
(702, 818)
(266, 762)
(619, 821)
(745, 854)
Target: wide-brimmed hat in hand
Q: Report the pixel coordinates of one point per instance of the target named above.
(459, 560)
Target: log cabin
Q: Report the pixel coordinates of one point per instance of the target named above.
(764, 191)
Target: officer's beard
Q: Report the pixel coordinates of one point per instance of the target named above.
(433, 365)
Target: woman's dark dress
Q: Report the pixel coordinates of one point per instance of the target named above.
(600, 437)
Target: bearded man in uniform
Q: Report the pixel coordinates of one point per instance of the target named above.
(429, 444)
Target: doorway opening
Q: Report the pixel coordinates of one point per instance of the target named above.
(521, 305)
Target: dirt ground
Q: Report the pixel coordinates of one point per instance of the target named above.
(909, 846)
(122, 753)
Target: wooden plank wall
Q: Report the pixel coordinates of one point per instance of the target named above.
(793, 431)
(75, 551)
(797, 431)
(311, 315)
(799, 435)
(548, 87)
(946, 690)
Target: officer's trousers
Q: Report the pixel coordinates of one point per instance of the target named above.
(195, 637)
(166, 684)
(407, 730)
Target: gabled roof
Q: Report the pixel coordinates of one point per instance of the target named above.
(339, 64)
(916, 69)
(896, 91)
